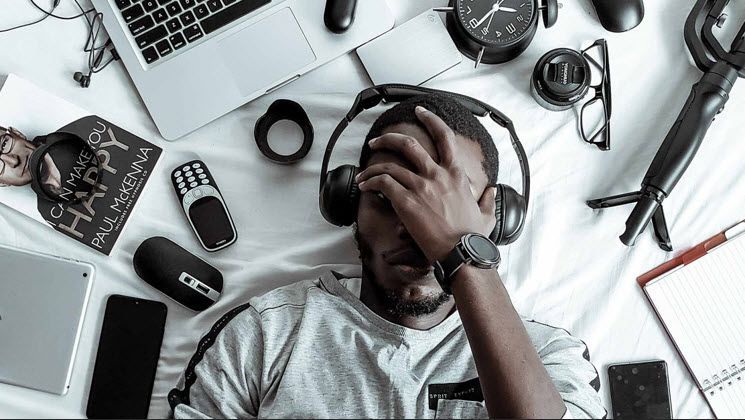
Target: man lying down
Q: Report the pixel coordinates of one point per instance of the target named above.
(394, 343)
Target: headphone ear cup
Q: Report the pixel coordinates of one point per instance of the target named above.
(510, 214)
(340, 196)
(496, 234)
(33, 163)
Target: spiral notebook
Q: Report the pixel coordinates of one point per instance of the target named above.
(700, 299)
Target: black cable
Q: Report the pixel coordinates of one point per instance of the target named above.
(95, 53)
(90, 44)
(24, 25)
(46, 15)
(82, 12)
(50, 13)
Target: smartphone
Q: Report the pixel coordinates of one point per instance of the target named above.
(128, 353)
(640, 390)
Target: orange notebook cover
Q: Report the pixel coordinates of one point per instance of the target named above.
(686, 258)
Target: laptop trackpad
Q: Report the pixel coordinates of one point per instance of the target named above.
(266, 52)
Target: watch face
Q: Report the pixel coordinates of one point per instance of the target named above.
(495, 22)
(483, 248)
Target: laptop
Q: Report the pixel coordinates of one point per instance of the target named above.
(42, 303)
(193, 61)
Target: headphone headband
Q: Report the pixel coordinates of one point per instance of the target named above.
(46, 143)
(373, 96)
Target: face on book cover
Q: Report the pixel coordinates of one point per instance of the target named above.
(15, 154)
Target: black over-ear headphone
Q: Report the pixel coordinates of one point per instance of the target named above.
(57, 140)
(339, 193)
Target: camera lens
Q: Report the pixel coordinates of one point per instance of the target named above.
(561, 78)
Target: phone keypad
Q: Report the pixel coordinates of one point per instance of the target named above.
(193, 181)
(198, 193)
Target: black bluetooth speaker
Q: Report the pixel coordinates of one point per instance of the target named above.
(179, 274)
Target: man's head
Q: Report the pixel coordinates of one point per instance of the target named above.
(392, 263)
(15, 152)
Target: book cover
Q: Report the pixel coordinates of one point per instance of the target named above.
(127, 161)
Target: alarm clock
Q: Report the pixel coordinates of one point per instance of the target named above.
(496, 31)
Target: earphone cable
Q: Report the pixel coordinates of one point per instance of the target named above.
(46, 15)
(95, 53)
(56, 4)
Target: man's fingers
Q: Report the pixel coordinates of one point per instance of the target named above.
(389, 187)
(407, 146)
(443, 136)
(405, 177)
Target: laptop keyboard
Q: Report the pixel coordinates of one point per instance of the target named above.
(161, 27)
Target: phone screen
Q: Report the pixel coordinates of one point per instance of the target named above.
(211, 222)
(128, 353)
(640, 390)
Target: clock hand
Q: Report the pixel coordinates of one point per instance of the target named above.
(489, 24)
(507, 9)
(491, 13)
(495, 7)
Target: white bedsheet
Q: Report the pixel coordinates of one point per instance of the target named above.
(568, 269)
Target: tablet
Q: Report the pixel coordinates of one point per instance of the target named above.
(43, 300)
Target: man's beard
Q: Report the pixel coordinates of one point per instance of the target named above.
(391, 299)
(398, 307)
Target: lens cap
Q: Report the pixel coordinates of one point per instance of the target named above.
(64, 168)
(561, 78)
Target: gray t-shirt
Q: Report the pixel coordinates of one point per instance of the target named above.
(313, 349)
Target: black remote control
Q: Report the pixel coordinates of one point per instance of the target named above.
(204, 205)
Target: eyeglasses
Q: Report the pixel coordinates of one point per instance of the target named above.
(596, 113)
(6, 145)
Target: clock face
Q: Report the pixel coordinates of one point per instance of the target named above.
(495, 22)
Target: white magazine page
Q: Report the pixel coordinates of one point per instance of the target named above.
(34, 112)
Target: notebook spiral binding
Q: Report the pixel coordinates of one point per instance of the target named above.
(727, 378)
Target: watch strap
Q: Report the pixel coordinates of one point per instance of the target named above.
(446, 269)
(454, 260)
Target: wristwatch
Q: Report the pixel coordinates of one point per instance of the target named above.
(472, 249)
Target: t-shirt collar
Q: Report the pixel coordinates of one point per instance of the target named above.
(348, 289)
